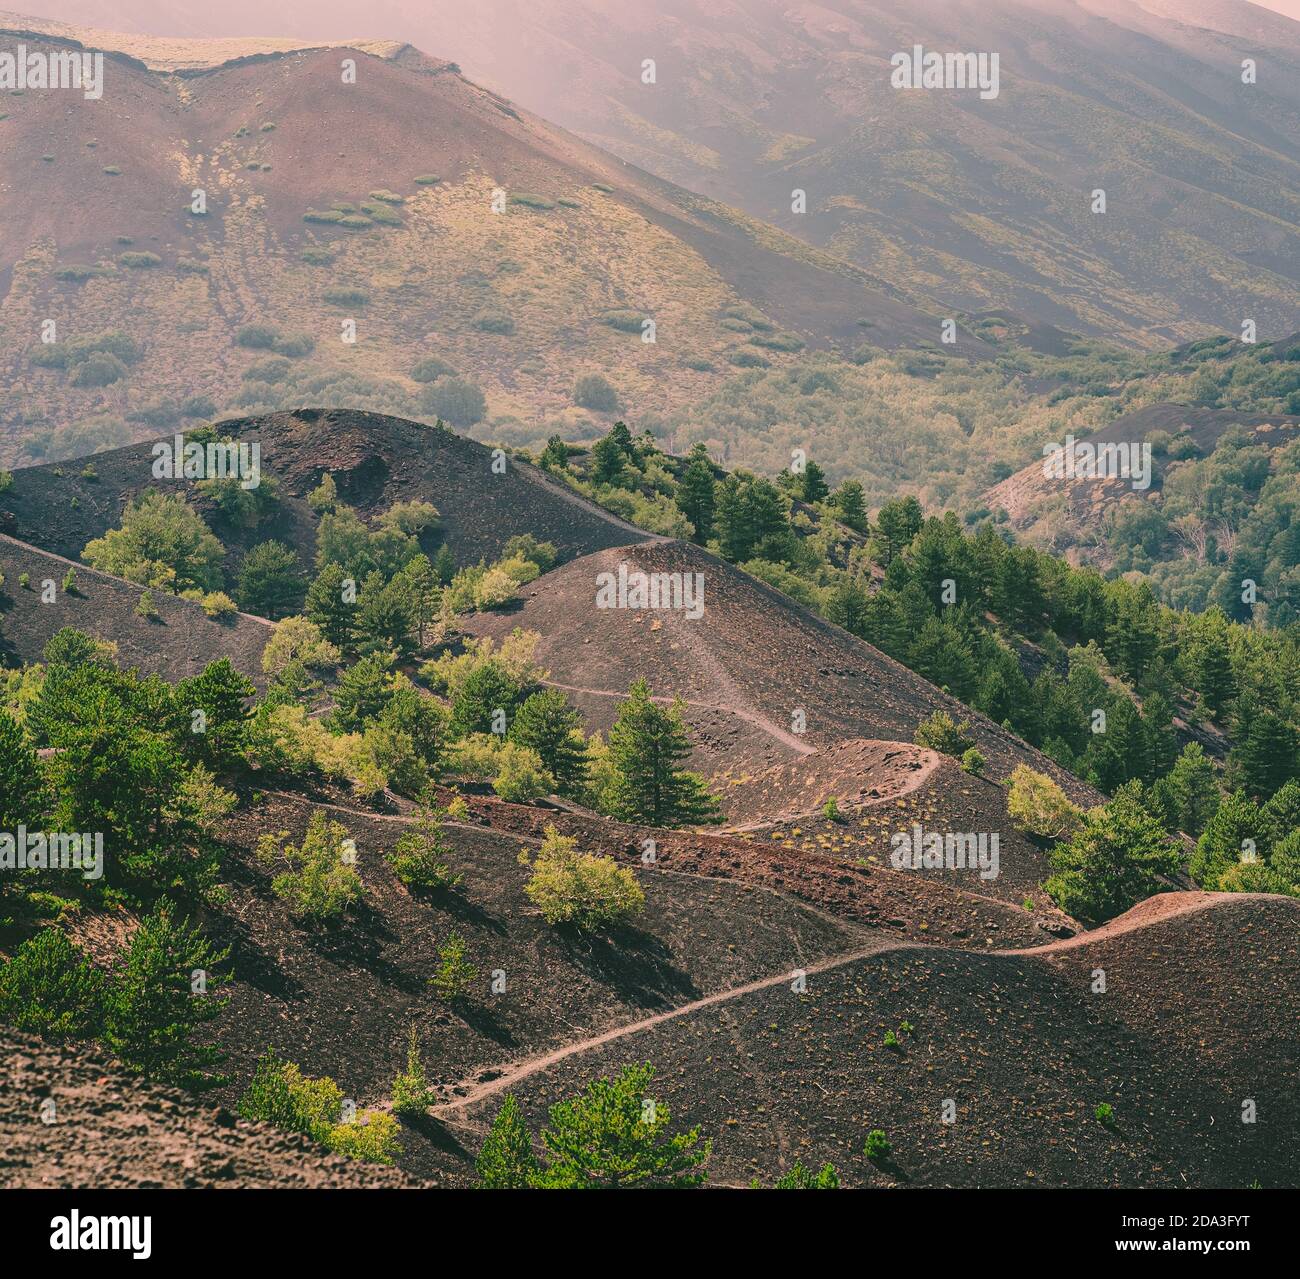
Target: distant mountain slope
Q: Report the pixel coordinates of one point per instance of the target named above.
(979, 203)
(515, 254)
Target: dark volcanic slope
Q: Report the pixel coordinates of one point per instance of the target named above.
(114, 1132)
(754, 656)
(179, 644)
(1200, 1015)
(376, 460)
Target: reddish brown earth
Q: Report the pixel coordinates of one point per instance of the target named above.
(113, 1131)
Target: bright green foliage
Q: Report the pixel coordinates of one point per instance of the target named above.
(877, 1145)
(321, 881)
(580, 889)
(1038, 805)
(940, 732)
(646, 745)
(116, 769)
(1237, 828)
(162, 543)
(801, 1178)
(49, 988)
(412, 1092)
(282, 1095)
(506, 1160)
(520, 776)
(1120, 855)
(419, 858)
(161, 993)
(615, 1137)
(455, 976)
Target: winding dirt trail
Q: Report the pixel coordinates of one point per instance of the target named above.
(513, 1073)
(761, 722)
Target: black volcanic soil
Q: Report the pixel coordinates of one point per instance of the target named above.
(178, 645)
(1018, 1042)
(376, 461)
(754, 653)
(112, 1131)
(952, 908)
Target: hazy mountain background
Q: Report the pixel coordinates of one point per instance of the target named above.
(975, 204)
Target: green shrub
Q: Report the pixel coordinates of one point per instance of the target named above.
(430, 369)
(521, 776)
(50, 988)
(595, 393)
(454, 976)
(419, 858)
(412, 1092)
(801, 1178)
(342, 295)
(877, 1146)
(940, 732)
(1036, 804)
(282, 1095)
(455, 400)
(493, 321)
(972, 762)
(138, 261)
(580, 889)
(320, 882)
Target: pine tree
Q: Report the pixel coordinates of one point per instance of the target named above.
(646, 745)
(331, 607)
(547, 723)
(22, 797)
(1268, 750)
(154, 1009)
(696, 495)
(614, 1137)
(270, 582)
(1118, 856)
(851, 506)
(506, 1160)
(813, 486)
